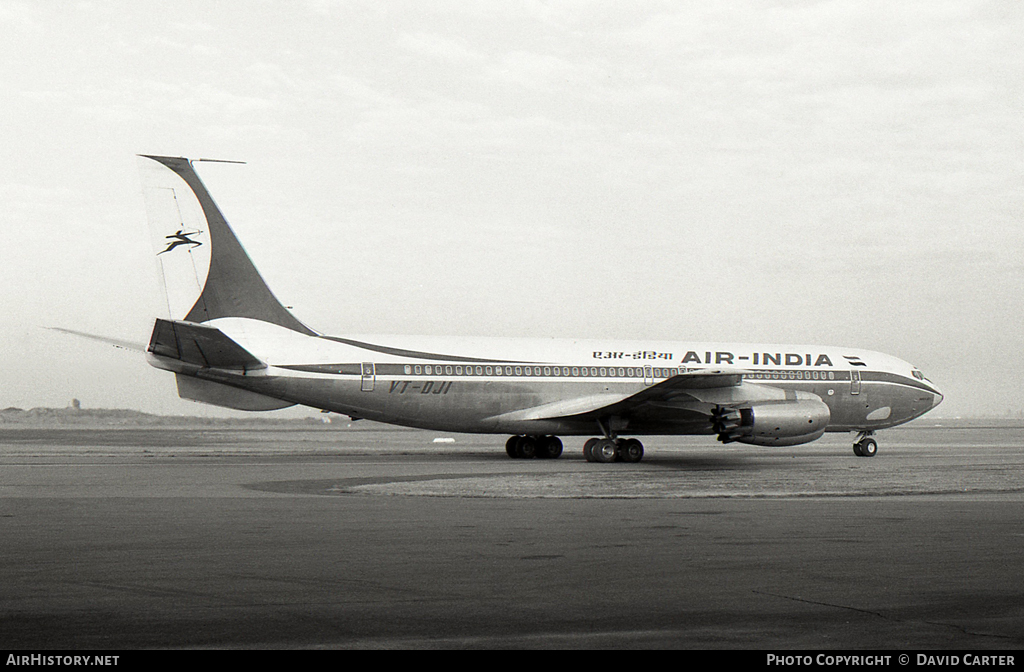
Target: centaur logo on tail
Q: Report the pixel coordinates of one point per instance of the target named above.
(230, 342)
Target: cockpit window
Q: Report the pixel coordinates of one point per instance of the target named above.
(917, 374)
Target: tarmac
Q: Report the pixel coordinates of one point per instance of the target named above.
(377, 538)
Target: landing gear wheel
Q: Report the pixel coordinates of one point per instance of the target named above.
(631, 450)
(526, 447)
(865, 448)
(864, 445)
(587, 450)
(510, 446)
(549, 448)
(604, 450)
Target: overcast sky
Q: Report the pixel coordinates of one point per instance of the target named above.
(841, 173)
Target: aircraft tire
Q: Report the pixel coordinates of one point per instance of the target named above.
(526, 447)
(510, 446)
(549, 448)
(604, 450)
(631, 451)
(865, 448)
(588, 453)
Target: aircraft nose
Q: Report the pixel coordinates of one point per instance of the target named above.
(936, 397)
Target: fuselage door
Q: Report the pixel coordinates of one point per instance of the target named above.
(854, 381)
(368, 377)
(648, 375)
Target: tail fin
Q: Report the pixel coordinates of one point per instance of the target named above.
(205, 270)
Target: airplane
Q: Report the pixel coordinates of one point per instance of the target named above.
(231, 343)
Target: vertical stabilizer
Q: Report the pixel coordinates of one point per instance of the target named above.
(206, 272)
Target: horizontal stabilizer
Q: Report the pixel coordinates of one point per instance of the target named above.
(116, 342)
(211, 392)
(201, 345)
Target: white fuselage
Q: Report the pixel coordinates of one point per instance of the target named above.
(548, 386)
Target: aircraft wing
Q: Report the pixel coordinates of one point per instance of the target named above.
(717, 387)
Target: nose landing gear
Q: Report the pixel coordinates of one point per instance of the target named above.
(865, 446)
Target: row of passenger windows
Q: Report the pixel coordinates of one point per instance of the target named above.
(562, 371)
(568, 372)
(791, 375)
(593, 371)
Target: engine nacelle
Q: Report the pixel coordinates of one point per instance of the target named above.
(773, 423)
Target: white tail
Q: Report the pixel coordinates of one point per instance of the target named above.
(181, 240)
(206, 273)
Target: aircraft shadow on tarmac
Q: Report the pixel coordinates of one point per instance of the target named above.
(659, 468)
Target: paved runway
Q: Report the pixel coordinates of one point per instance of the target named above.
(163, 538)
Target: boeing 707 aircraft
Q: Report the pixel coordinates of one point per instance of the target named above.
(230, 342)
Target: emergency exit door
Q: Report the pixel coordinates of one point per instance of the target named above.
(369, 375)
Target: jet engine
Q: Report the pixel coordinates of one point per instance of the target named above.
(772, 423)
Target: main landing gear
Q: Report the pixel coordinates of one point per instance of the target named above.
(526, 447)
(865, 446)
(610, 448)
(613, 450)
(594, 450)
